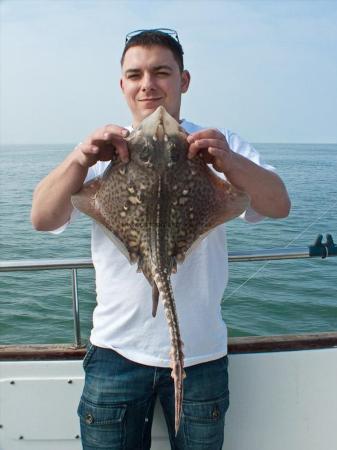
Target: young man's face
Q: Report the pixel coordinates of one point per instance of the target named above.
(150, 78)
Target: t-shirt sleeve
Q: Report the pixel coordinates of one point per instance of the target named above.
(240, 146)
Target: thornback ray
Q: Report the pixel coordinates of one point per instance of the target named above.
(155, 208)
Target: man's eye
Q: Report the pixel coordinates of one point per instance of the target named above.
(164, 74)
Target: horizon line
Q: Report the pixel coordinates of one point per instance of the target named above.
(73, 144)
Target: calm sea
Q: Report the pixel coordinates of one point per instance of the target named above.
(262, 298)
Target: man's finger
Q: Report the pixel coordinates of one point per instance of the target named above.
(204, 144)
(116, 130)
(87, 148)
(107, 148)
(110, 132)
(123, 151)
(116, 135)
(108, 135)
(193, 150)
(209, 133)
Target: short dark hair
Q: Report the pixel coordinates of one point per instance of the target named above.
(148, 38)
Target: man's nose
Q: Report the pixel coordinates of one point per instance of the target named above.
(148, 82)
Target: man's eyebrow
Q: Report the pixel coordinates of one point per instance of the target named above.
(128, 71)
(162, 66)
(154, 69)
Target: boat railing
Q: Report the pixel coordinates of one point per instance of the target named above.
(318, 249)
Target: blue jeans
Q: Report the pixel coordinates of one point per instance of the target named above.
(117, 404)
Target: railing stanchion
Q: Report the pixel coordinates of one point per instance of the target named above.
(76, 308)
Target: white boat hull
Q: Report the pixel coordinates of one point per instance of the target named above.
(278, 401)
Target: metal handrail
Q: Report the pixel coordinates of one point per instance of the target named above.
(86, 263)
(18, 265)
(319, 249)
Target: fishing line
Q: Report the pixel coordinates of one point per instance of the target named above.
(291, 242)
(313, 223)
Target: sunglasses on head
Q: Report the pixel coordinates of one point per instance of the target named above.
(167, 31)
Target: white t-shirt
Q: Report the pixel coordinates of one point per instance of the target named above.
(122, 319)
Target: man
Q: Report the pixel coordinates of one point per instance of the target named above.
(127, 364)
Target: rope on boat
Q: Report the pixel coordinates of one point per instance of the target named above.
(324, 249)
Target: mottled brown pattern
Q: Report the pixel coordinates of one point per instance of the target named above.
(157, 205)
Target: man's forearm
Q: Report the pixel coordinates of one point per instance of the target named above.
(51, 206)
(267, 192)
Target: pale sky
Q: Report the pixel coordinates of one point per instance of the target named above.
(265, 69)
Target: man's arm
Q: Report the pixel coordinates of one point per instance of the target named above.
(266, 190)
(51, 207)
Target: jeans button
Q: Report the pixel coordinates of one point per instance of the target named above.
(89, 419)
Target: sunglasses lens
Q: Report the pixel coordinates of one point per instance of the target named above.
(168, 31)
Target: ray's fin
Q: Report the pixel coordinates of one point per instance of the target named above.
(84, 201)
(155, 299)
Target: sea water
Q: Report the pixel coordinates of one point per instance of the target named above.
(262, 298)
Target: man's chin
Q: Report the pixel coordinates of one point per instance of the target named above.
(149, 110)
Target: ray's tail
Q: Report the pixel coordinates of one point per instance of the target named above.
(177, 357)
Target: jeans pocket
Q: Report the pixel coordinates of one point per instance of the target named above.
(88, 356)
(204, 423)
(102, 425)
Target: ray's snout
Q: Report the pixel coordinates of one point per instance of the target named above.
(161, 125)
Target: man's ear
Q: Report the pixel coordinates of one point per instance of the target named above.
(185, 81)
(121, 84)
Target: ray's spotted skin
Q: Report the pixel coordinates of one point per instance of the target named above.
(155, 207)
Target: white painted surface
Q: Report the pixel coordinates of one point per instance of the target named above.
(283, 401)
(279, 401)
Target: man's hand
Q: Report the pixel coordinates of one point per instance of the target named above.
(101, 145)
(266, 190)
(214, 147)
